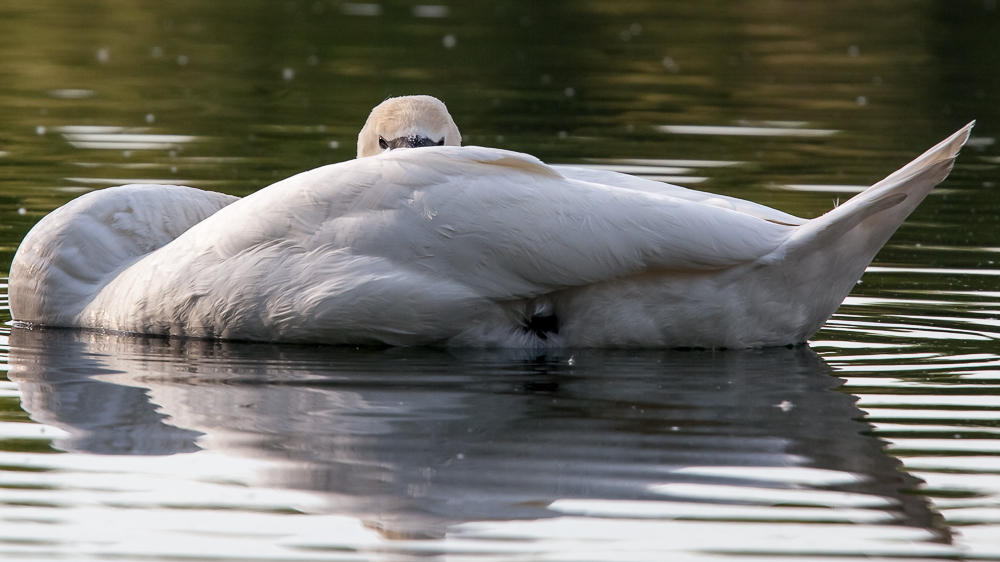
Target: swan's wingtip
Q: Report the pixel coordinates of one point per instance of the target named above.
(966, 130)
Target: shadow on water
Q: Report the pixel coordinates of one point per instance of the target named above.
(415, 441)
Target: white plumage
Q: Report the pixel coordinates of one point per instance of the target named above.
(454, 245)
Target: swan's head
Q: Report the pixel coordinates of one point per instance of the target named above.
(407, 122)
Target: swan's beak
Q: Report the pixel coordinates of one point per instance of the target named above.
(415, 141)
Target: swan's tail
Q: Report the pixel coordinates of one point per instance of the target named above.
(823, 259)
(71, 253)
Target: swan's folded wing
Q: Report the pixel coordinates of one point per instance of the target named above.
(509, 226)
(626, 181)
(74, 251)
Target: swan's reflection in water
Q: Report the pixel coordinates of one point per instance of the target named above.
(419, 443)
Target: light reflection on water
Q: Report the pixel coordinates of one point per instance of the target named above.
(502, 453)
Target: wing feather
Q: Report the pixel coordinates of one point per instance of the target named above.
(500, 222)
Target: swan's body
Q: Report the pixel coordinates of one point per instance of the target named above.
(457, 246)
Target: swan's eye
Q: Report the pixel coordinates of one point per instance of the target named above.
(384, 145)
(441, 142)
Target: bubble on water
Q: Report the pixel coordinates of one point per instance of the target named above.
(22, 211)
(157, 52)
(853, 51)
(103, 55)
(182, 60)
(449, 41)
(862, 101)
(150, 118)
(334, 144)
(288, 73)
(570, 92)
(670, 64)
(40, 130)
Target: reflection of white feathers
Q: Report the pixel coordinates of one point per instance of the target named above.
(458, 246)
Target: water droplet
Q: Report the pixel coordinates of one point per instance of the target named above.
(22, 211)
(150, 118)
(449, 41)
(862, 101)
(334, 144)
(103, 55)
(40, 130)
(288, 73)
(182, 60)
(570, 92)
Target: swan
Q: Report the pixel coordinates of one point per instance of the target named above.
(421, 241)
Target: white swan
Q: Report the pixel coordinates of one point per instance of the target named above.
(455, 245)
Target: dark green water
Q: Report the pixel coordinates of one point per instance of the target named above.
(880, 439)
